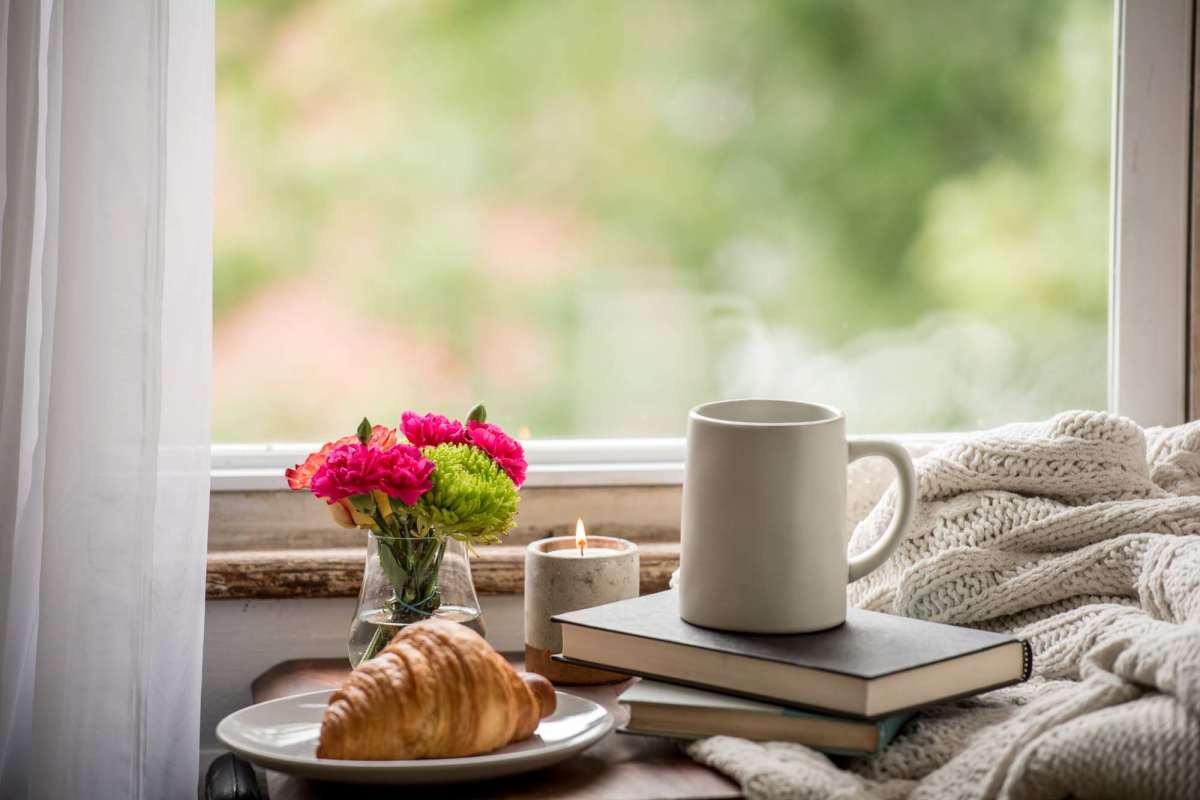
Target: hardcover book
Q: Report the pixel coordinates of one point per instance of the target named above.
(681, 712)
(871, 666)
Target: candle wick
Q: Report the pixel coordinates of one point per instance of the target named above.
(581, 546)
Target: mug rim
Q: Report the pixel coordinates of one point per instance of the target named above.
(702, 413)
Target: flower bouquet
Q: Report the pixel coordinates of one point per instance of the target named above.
(433, 487)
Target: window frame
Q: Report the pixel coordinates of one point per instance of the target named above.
(553, 463)
(1149, 262)
(1153, 100)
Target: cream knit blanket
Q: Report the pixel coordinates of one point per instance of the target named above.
(1080, 535)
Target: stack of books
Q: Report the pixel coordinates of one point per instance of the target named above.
(847, 690)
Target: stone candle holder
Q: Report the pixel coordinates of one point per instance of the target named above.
(558, 579)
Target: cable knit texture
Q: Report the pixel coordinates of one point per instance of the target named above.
(1080, 535)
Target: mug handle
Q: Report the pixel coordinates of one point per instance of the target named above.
(867, 562)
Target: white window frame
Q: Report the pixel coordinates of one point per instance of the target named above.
(1151, 209)
(552, 462)
(1151, 196)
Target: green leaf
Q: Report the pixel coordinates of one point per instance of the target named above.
(363, 504)
(478, 414)
(364, 430)
(395, 573)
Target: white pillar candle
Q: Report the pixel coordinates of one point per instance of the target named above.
(560, 577)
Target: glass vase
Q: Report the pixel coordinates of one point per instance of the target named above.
(407, 579)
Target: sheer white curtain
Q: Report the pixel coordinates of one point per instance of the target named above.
(105, 285)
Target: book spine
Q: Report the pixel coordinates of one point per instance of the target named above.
(1027, 660)
(888, 728)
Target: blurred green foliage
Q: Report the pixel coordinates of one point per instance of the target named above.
(594, 214)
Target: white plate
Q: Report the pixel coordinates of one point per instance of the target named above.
(282, 735)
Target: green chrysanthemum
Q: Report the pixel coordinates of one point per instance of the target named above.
(472, 499)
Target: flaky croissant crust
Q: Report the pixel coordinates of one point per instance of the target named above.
(438, 690)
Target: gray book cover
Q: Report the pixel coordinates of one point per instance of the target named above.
(869, 645)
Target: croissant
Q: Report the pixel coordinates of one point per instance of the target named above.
(438, 690)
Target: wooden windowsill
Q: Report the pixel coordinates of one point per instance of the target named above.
(336, 572)
(274, 544)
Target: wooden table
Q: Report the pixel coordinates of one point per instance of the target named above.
(618, 768)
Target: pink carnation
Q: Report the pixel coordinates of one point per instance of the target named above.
(299, 476)
(503, 449)
(400, 472)
(431, 429)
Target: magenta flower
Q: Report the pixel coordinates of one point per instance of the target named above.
(503, 449)
(431, 429)
(400, 472)
(299, 476)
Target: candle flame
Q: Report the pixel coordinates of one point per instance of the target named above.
(580, 536)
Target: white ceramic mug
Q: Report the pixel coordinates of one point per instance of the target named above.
(764, 516)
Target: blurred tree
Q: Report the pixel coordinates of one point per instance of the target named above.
(486, 192)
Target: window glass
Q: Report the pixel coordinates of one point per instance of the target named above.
(593, 215)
